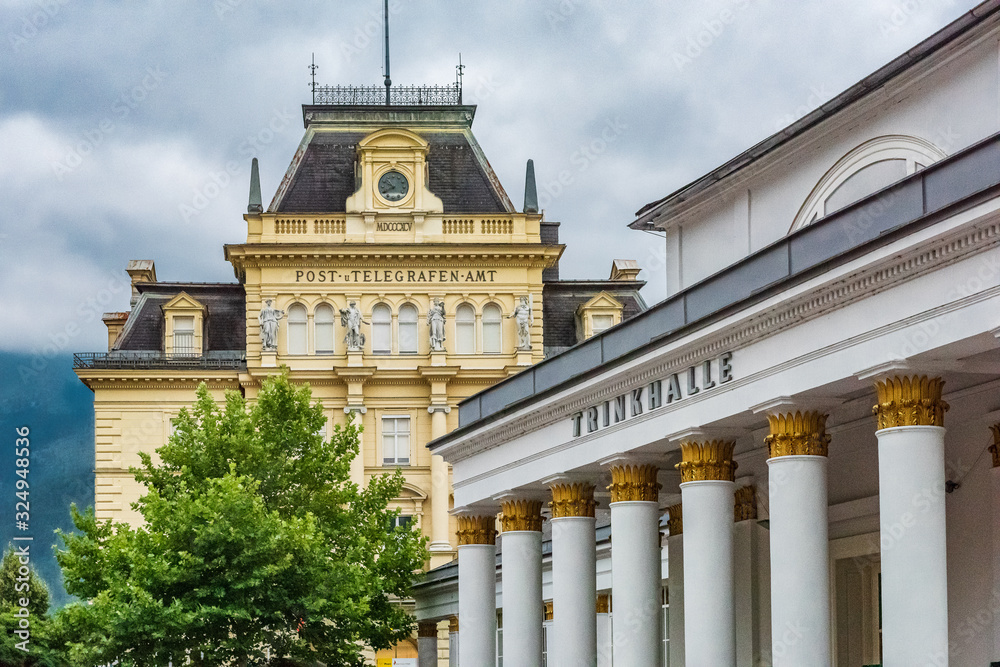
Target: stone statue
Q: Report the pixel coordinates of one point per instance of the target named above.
(268, 319)
(350, 318)
(435, 320)
(524, 318)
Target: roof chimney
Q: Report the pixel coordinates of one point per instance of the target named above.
(624, 269)
(141, 271)
(530, 191)
(255, 205)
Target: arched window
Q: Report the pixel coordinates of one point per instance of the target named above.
(492, 321)
(465, 329)
(323, 327)
(873, 165)
(381, 329)
(407, 329)
(297, 329)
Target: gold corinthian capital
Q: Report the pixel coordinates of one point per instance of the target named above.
(798, 434)
(576, 499)
(910, 401)
(521, 515)
(703, 461)
(675, 521)
(634, 482)
(476, 530)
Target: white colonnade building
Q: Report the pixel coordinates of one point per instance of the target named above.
(794, 459)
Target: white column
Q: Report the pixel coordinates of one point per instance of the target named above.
(675, 585)
(453, 641)
(914, 551)
(574, 576)
(521, 576)
(912, 521)
(427, 644)
(635, 565)
(440, 545)
(800, 550)
(707, 495)
(800, 561)
(995, 523)
(604, 643)
(477, 591)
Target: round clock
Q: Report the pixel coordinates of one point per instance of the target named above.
(393, 186)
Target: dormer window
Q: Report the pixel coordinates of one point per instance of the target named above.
(599, 314)
(184, 326)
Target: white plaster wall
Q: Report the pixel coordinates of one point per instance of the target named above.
(952, 106)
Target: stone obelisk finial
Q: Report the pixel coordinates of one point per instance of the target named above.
(255, 205)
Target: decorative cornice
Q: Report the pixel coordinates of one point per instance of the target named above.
(675, 520)
(603, 605)
(575, 499)
(427, 629)
(910, 401)
(634, 482)
(521, 515)
(919, 260)
(453, 624)
(798, 434)
(745, 503)
(476, 530)
(704, 461)
(995, 447)
(548, 610)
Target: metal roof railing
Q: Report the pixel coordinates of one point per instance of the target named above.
(138, 359)
(450, 94)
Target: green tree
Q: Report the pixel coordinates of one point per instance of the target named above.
(25, 627)
(256, 546)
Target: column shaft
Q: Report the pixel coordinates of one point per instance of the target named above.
(914, 550)
(477, 590)
(675, 584)
(605, 645)
(635, 582)
(994, 514)
(800, 562)
(574, 592)
(521, 572)
(709, 622)
(427, 645)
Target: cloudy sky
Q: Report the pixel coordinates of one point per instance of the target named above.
(126, 132)
(118, 120)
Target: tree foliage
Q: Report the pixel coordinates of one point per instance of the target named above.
(256, 546)
(19, 582)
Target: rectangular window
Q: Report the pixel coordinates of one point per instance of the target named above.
(602, 322)
(184, 335)
(401, 521)
(396, 441)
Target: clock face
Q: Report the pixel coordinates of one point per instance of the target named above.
(393, 186)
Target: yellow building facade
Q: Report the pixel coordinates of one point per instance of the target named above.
(390, 272)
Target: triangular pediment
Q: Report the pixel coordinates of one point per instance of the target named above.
(184, 301)
(602, 300)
